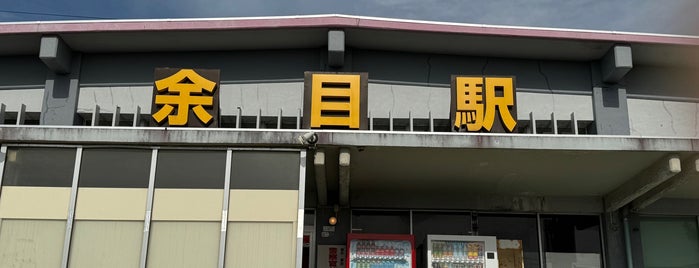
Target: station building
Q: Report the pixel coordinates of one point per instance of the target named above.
(226, 142)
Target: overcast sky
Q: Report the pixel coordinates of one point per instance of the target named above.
(654, 16)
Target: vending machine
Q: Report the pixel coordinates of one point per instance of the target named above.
(458, 251)
(380, 251)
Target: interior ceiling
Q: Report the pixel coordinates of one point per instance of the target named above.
(499, 172)
(364, 38)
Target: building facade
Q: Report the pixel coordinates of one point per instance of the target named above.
(597, 168)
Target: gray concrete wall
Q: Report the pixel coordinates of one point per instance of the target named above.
(267, 97)
(252, 80)
(288, 96)
(107, 97)
(250, 97)
(663, 118)
(662, 81)
(610, 110)
(125, 79)
(14, 98)
(419, 83)
(23, 79)
(401, 82)
(22, 72)
(61, 96)
(401, 99)
(543, 104)
(437, 69)
(421, 100)
(343, 226)
(137, 68)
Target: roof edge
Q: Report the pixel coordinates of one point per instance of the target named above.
(337, 21)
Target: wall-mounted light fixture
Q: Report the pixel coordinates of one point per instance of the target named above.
(333, 219)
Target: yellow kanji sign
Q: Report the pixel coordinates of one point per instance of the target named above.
(336, 100)
(478, 101)
(469, 103)
(184, 90)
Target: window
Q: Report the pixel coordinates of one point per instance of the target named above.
(265, 170)
(115, 168)
(670, 242)
(110, 208)
(571, 240)
(34, 205)
(44, 167)
(263, 210)
(187, 205)
(179, 169)
(513, 227)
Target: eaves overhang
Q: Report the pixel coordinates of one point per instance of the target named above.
(428, 163)
(294, 32)
(198, 137)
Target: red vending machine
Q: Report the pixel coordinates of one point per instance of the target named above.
(380, 251)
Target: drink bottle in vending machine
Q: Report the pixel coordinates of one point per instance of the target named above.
(380, 251)
(445, 251)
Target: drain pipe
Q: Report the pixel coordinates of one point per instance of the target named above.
(627, 240)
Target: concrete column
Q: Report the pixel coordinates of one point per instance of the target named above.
(609, 99)
(344, 176)
(62, 82)
(342, 228)
(56, 54)
(336, 48)
(611, 110)
(320, 178)
(615, 250)
(616, 63)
